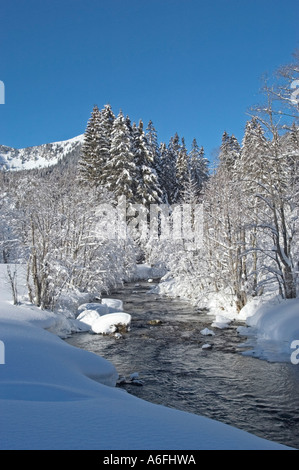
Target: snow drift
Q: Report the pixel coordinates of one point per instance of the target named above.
(271, 330)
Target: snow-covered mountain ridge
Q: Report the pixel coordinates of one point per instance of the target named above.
(39, 156)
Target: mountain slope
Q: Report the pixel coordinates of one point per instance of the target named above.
(39, 156)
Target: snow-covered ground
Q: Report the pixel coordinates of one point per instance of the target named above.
(272, 331)
(55, 396)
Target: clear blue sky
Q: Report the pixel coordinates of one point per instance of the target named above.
(191, 66)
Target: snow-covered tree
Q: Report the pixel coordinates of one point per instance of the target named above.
(147, 190)
(182, 170)
(163, 180)
(89, 161)
(104, 143)
(199, 166)
(229, 151)
(153, 146)
(121, 168)
(168, 167)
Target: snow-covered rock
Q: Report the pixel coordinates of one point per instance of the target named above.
(221, 322)
(89, 317)
(114, 305)
(101, 309)
(108, 324)
(207, 332)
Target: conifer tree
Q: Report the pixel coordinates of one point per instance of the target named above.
(104, 143)
(253, 154)
(163, 172)
(147, 185)
(152, 141)
(88, 164)
(198, 166)
(182, 170)
(169, 169)
(229, 151)
(121, 168)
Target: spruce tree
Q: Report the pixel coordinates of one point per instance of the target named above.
(169, 169)
(104, 142)
(88, 163)
(182, 170)
(163, 172)
(121, 168)
(198, 166)
(153, 146)
(254, 154)
(147, 184)
(229, 151)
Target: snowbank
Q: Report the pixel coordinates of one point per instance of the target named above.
(56, 396)
(218, 304)
(271, 330)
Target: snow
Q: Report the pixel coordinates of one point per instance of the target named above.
(114, 305)
(271, 330)
(221, 322)
(96, 316)
(207, 332)
(56, 396)
(108, 324)
(88, 317)
(101, 309)
(220, 304)
(40, 156)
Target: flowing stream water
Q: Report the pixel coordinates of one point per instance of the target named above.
(219, 383)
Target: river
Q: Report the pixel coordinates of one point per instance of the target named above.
(219, 383)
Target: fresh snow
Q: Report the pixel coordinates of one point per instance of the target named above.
(88, 317)
(271, 331)
(108, 324)
(101, 309)
(114, 305)
(39, 156)
(96, 316)
(56, 396)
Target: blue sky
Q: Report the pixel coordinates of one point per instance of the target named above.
(191, 66)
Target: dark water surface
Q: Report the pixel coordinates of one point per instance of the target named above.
(219, 383)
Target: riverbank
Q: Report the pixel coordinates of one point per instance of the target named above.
(55, 396)
(271, 324)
